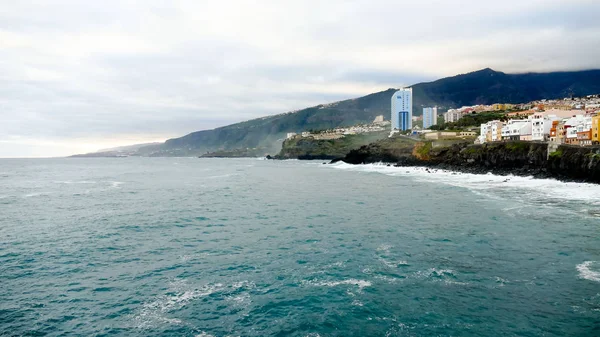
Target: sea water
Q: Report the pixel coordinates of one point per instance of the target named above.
(245, 247)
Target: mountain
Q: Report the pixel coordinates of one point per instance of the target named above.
(266, 134)
(128, 148)
(488, 86)
(480, 87)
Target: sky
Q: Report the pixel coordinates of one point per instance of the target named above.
(78, 76)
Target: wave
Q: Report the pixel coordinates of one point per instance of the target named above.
(36, 194)
(384, 250)
(585, 271)
(447, 276)
(204, 334)
(178, 296)
(116, 184)
(359, 283)
(70, 182)
(483, 184)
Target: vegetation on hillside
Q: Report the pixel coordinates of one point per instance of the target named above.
(480, 87)
(310, 148)
(471, 120)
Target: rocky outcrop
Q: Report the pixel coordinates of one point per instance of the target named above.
(568, 163)
(309, 148)
(518, 158)
(575, 163)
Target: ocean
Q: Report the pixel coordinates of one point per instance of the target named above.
(248, 247)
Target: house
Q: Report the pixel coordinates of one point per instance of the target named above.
(554, 131)
(514, 128)
(525, 132)
(596, 130)
(584, 138)
(574, 125)
(495, 130)
(541, 125)
(482, 134)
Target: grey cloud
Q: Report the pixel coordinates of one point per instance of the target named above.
(121, 70)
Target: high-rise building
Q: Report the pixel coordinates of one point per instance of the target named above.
(402, 109)
(430, 117)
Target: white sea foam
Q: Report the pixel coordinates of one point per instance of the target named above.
(436, 274)
(359, 283)
(585, 271)
(388, 279)
(357, 303)
(240, 301)
(384, 248)
(178, 296)
(501, 282)
(69, 182)
(36, 194)
(186, 258)
(393, 264)
(204, 334)
(116, 184)
(483, 184)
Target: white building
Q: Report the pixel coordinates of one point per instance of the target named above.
(514, 128)
(430, 117)
(402, 109)
(482, 133)
(452, 116)
(541, 124)
(495, 128)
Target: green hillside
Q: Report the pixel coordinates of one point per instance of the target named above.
(481, 87)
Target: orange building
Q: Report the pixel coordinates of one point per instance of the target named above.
(554, 131)
(584, 138)
(520, 113)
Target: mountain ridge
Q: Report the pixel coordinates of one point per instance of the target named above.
(485, 86)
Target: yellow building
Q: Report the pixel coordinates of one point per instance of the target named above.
(596, 129)
(499, 107)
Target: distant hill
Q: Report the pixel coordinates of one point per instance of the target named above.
(480, 87)
(128, 148)
(266, 134)
(488, 86)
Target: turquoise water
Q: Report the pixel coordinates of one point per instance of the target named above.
(208, 247)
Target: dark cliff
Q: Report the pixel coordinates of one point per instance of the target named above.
(575, 163)
(570, 163)
(310, 148)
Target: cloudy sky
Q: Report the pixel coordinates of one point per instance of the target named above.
(77, 76)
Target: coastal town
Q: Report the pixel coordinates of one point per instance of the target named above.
(573, 121)
(378, 125)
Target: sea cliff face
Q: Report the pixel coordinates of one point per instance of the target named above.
(517, 158)
(310, 148)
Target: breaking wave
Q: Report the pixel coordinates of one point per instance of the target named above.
(489, 184)
(585, 271)
(359, 283)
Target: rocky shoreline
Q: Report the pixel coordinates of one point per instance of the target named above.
(568, 163)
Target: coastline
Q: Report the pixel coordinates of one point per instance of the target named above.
(526, 159)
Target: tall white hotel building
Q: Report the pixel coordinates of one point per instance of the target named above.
(402, 109)
(430, 117)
